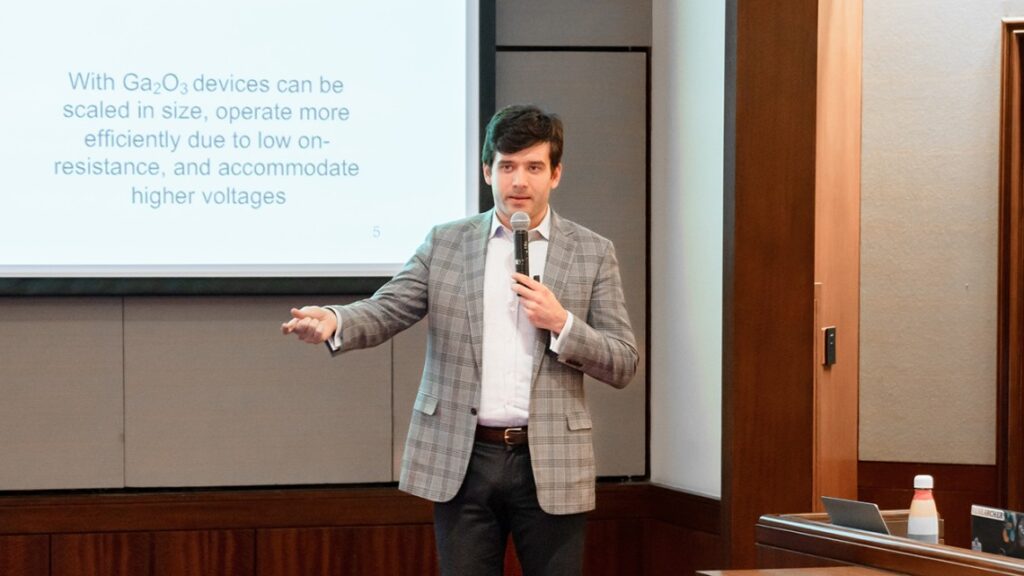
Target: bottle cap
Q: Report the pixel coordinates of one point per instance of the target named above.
(923, 482)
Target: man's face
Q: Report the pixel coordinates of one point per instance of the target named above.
(522, 182)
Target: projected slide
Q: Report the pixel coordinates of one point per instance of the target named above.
(232, 138)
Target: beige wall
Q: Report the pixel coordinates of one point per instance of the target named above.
(929, 229)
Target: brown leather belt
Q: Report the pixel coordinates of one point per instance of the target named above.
(515, 436)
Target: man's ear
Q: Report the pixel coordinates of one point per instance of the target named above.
(487, 173)
(556, 176)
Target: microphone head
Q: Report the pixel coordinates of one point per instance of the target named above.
(520, 222)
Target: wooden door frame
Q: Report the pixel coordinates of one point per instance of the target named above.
(1010, 347)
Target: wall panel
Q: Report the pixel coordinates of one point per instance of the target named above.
(674, 550)
(574, 23)
(929, 230)
(216, 395)
(602, 99)
(25, 555)
(61, 380)
(210, 553)
(366, 550)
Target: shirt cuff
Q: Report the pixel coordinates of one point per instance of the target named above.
(334, 342)
(556, 341)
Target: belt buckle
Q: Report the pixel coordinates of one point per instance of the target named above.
(506, 435)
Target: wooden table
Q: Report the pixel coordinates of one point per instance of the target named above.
(832, 571)
(798, 540)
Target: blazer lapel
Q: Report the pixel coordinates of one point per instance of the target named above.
(561, 251)
(475, 240)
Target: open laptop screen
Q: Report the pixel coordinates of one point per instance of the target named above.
(855, 514)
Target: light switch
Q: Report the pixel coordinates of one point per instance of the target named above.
(830, 345)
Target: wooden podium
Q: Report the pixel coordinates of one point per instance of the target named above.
(809, 540)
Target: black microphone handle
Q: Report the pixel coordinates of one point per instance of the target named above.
(522, 252)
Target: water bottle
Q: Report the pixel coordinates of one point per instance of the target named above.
(923, 524)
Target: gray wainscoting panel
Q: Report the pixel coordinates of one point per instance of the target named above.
(216, 395)
(61, 412)
(602, 98)
(574, 23)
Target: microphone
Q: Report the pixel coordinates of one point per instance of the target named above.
(521, 229)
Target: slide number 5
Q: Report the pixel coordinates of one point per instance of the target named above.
(376, 232)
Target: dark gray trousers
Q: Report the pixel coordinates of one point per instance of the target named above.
(498, 498)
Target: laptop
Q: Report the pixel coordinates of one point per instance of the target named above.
(855, 514)
(997, 531)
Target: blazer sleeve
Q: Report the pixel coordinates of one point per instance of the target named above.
(397, 305)
(603, 346)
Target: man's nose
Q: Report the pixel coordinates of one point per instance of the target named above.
(519, 178)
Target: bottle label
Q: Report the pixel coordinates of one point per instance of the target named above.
(926, 538)
(923, 528)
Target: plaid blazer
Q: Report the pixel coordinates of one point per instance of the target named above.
(445, 279)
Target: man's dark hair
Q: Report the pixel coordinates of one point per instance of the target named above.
(517, 127)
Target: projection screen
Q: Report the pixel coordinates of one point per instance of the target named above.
(177, 140)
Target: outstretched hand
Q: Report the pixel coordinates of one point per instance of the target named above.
(542, 308)
(311, 324)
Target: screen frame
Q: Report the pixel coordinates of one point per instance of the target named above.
(277, 285)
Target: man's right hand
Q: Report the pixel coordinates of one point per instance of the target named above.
(311, 324)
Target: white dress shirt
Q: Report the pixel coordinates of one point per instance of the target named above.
(509, 338)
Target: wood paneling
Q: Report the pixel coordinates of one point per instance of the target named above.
(683, 533)
(25, 555)
(673, 550)
(778, 557)
(837, 248)
(210, 553)
(614, 547)
(213, 553)
(366, 550)
(685, 510)
(768, 345)
(891, 486)
(791, 220)
(120, 554)
(210, 510)
(636, 528)
(1010, 314)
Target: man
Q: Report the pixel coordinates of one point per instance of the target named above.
(500, 437)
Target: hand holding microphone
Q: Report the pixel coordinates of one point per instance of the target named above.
(542, 308)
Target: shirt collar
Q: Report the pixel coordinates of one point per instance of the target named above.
(544, 228)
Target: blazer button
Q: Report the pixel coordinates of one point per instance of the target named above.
(472, 411)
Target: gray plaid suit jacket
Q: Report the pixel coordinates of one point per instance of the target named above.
(445, 278)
